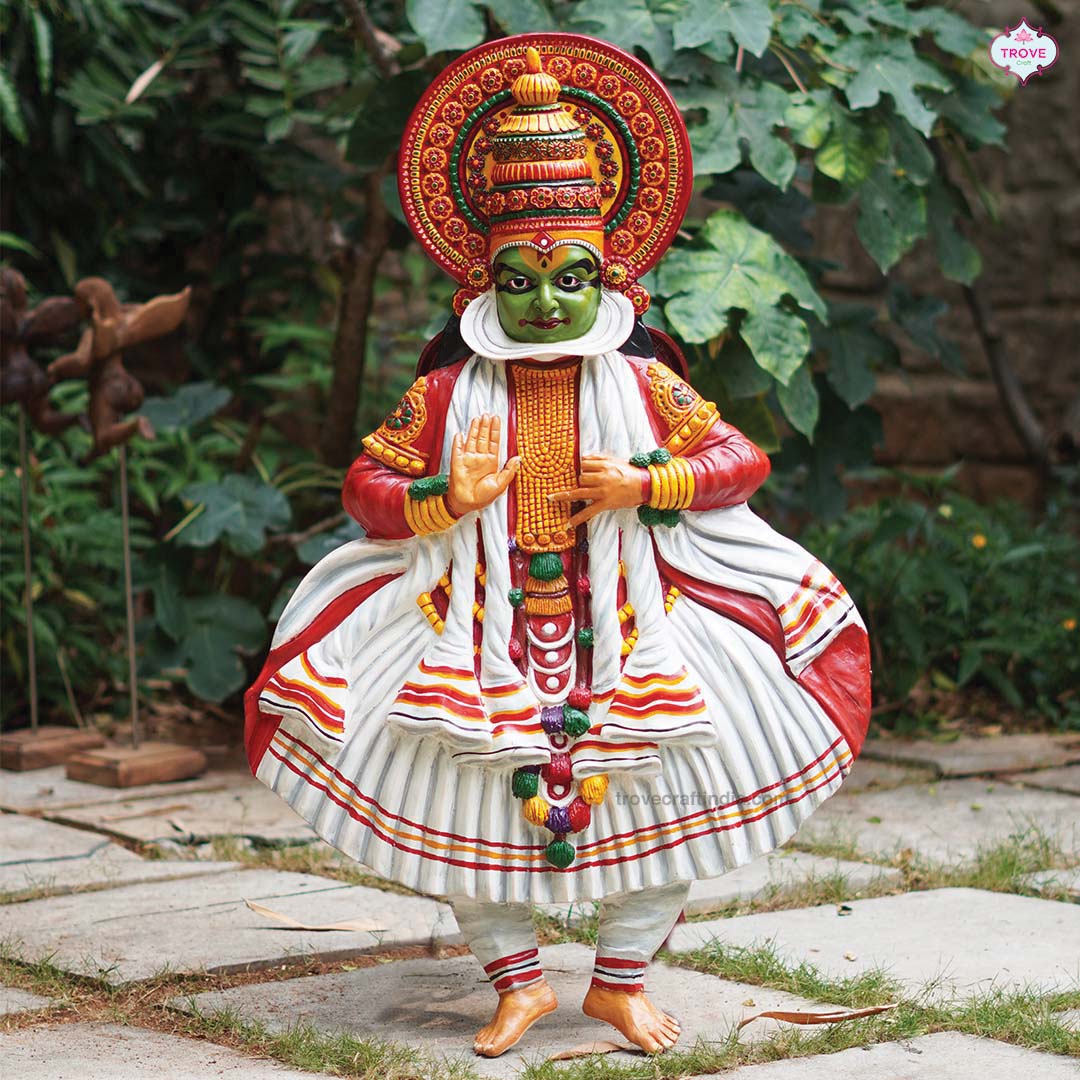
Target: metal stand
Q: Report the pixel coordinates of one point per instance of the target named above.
(28, 580)
(39, 746)
(142, 762)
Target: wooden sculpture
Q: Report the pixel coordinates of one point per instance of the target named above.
(22, 329)
(114, 391)
(567, 663)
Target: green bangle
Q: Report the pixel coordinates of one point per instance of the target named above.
(427, 486)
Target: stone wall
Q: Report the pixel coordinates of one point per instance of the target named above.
(1030, 284)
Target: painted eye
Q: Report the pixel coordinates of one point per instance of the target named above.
(518, 284)
(569, 283)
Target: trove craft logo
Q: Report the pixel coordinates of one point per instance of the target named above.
(1024, 52)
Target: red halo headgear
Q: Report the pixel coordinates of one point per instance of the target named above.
(543, 140)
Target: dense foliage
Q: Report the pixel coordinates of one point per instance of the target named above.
(246, 147)
(956, 593)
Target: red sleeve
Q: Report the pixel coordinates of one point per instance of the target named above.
(728, 468)
(406, 446)
(375, 496)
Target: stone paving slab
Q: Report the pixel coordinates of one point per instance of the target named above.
(438, 1006)
(14, 1000)
(49, 789)
(111, 1052)
(965, 940)
(248, 809)
(971, 755)
(882, 775)
(37, 854)
(1066, 779)
(1053, 881)
(948, 1055)
(945, 821)
(136, 931)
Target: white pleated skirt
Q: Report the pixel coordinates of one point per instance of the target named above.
(402, 806)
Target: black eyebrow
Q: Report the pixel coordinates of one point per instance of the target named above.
(501, 266)
(588, 265)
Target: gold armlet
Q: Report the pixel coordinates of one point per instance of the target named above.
(672, 485)
(428, 515)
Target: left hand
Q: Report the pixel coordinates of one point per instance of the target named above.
(606, 483)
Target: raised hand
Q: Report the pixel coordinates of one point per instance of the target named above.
(606, 483)
(475, 477)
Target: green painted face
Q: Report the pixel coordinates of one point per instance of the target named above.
(545, 297)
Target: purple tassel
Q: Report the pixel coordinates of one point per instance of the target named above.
(551, 719)
(558, 820)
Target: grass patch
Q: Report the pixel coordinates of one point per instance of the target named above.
(335, 1054)
(316, 858)
(763, 965)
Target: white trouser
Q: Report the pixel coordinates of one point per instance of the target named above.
(632, 927)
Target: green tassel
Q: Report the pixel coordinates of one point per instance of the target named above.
(659, 456)
(516, 597)
(585, 637)
(525, 784)
(575, 722)
(546, 566)
(641, 459)
(670, 518)
(560, 853)
(649, 515)
(429, 485)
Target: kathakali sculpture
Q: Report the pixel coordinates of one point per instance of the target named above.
(567, 662)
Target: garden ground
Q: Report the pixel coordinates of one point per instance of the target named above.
(944, 879)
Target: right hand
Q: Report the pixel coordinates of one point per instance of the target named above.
(475, 477)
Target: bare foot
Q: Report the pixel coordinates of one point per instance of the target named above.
(517, 1011)
(639, 1020)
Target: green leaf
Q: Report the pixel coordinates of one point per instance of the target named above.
(889, 65)
(522, 16)
(216, 627)
(755, 420)
(910, 151)
(377, 129)
(779, 340)
(739, 109)
(809, 116)
(854, 349)
(43, 49)
(630, 24)
(17, 243)
(918, 316)
(892, 216)
(854, 146)
(240, 509)
(893, 13)
(749, 22)
(967, 106)
(953, 33)
(190, 404)
(800, 402)
(959, 257)
(10, 112)
(445, 24)
(733, 265)
(742, 375)
(322, 544)
(797, 23)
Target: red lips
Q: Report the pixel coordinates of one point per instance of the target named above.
(543, 324)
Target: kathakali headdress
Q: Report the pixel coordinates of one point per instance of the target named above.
(544, 140)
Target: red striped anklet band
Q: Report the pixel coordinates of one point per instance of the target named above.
(515, 971)
(611, 973)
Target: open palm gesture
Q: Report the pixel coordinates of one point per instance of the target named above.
(475, 477)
